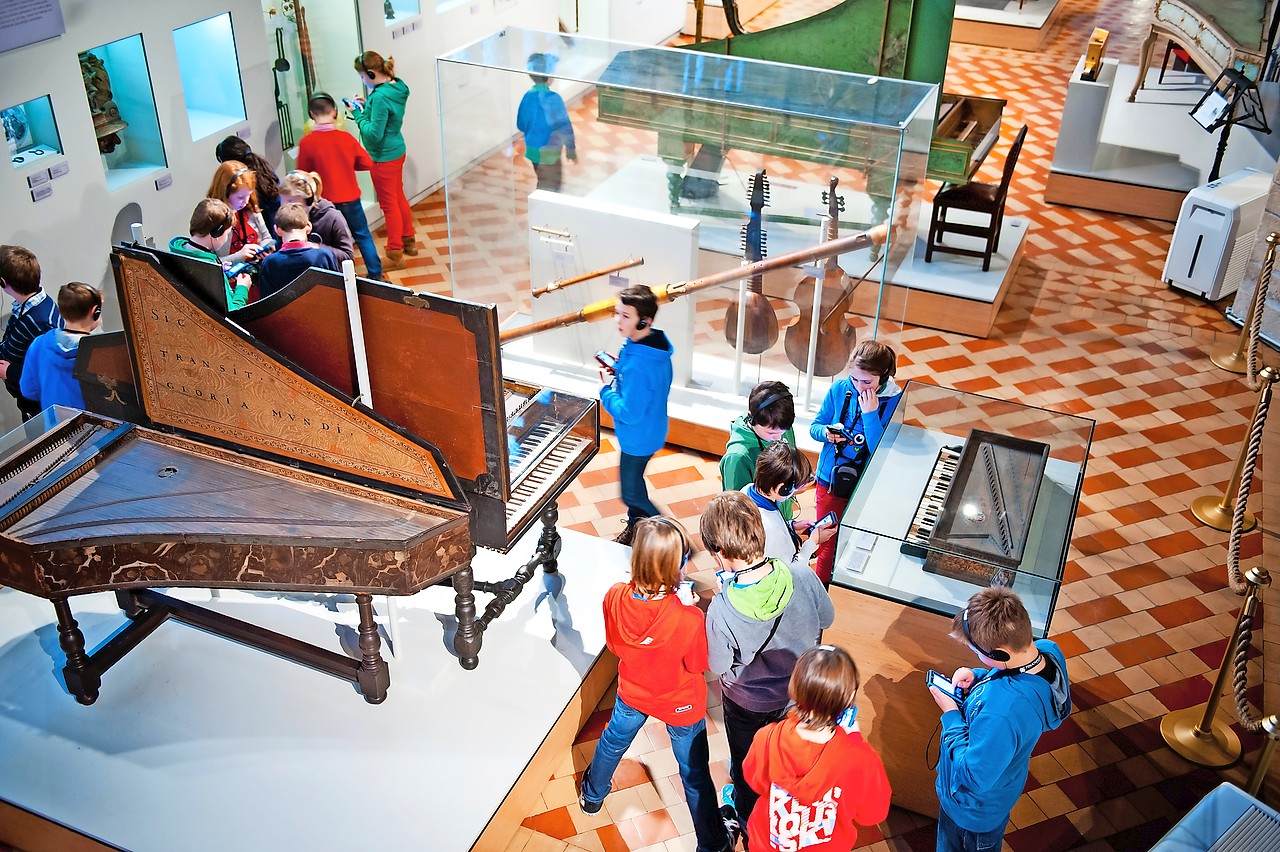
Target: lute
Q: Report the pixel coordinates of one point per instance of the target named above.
(760, 328)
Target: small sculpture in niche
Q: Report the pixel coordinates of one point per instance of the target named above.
(388, 10)
(107, 122)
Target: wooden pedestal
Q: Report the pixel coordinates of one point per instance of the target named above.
(1127, 199)
(894, 645)
(965, 31)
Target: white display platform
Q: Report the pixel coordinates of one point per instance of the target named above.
(199, 743)
(1033, 14)
(1001, 23)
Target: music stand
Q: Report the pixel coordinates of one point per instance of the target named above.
(1232, 99)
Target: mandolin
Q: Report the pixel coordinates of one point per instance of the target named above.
(760, 328)
(835, 336)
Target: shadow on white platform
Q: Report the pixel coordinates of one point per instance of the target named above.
(200, 743)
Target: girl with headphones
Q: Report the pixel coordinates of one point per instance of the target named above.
(306, 188)
(379, 116)
(234, 184)
(661, 645)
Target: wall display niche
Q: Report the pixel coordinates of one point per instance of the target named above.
(210, 72)
(117, 85)
(30, 132)
(396, 11)
(315, 44)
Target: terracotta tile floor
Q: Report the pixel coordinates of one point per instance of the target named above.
(1087, 328)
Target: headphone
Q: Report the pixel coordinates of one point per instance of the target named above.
(642, 323)
(221, 228)
(231, 183)
(308, 182)
(688, 550)
(97, 312)
(765, 403)
(998, 654)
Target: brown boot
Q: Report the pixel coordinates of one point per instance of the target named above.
(411, 246)
(393, 261)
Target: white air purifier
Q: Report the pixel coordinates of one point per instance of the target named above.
(1215, 232)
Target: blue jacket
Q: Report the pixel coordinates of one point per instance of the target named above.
(986, 744)
(278, 270)
(46, 374)
(871, 428)
(544, 121)
(636, 399)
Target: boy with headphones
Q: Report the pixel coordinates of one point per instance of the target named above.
(297, 254)
(47, 375)
(635, 394)
(781, 470)
(210, 228)
(771, 412)
(766, 615)
(33, 314)
(988, 735)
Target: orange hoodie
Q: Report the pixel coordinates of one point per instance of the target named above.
(812, 795)
(662, 654)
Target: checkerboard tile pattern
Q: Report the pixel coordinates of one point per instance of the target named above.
(1088, 328)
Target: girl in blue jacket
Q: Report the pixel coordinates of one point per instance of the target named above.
(635, 395)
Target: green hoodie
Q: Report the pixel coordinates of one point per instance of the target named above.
(738, 464)
(765, 599)
(380, 120)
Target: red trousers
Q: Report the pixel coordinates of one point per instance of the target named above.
(388, 183)
(827, 552)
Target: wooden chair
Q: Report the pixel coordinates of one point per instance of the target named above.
(976, 197)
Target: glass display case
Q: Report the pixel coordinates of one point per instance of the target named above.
(314, 47)
(117, 86)
(575, 166)
(964, 492)
(210, 72)
(30, 132)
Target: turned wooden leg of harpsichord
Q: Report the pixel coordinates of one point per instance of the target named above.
(82, 680)
(373, 675)
(470, 635)
(549, 542)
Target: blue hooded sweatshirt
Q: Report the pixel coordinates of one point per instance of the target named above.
(871, 428)
(986, 744)
(46, 374)
(636, 399)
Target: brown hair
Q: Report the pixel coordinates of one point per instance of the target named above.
(292, 217)
(657, 555)
(76, 301)
(321, 103)
(771, 405)
(210, 215)
(997, 619)
(640, 297)
(230, 176)
(371, 60)
(780, 463)
(823, 684)
(731, 526)
(302, 183)
(874, 357)
(20, 269)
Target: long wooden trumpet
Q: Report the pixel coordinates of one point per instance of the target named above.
(587, 276)
(671, 292)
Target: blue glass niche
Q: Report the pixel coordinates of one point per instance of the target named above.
(396, 11)
(30, 132)
(123, 108)
(210, 74)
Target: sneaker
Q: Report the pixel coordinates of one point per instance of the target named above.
(726, 795)
(627, 534)
(731, 825)
(588, 807)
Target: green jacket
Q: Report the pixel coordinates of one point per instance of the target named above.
(236, 296)
(738, 464)
(380, 121)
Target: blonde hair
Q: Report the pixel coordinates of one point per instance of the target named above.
(306, 184)
(657, 555)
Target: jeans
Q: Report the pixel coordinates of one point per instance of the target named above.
(549, 175)
(635, 494)
(953, 838)
(353, 212)
(690, 745)
(741, 726)
(388, 183)
(828, 502)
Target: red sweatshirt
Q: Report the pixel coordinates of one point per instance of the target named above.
(335, 155)
(812, 794)
(662, 652)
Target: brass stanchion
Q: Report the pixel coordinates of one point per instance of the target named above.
(1214, 512)
(1234, 360)
(1206, 741)
(1270, 727)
